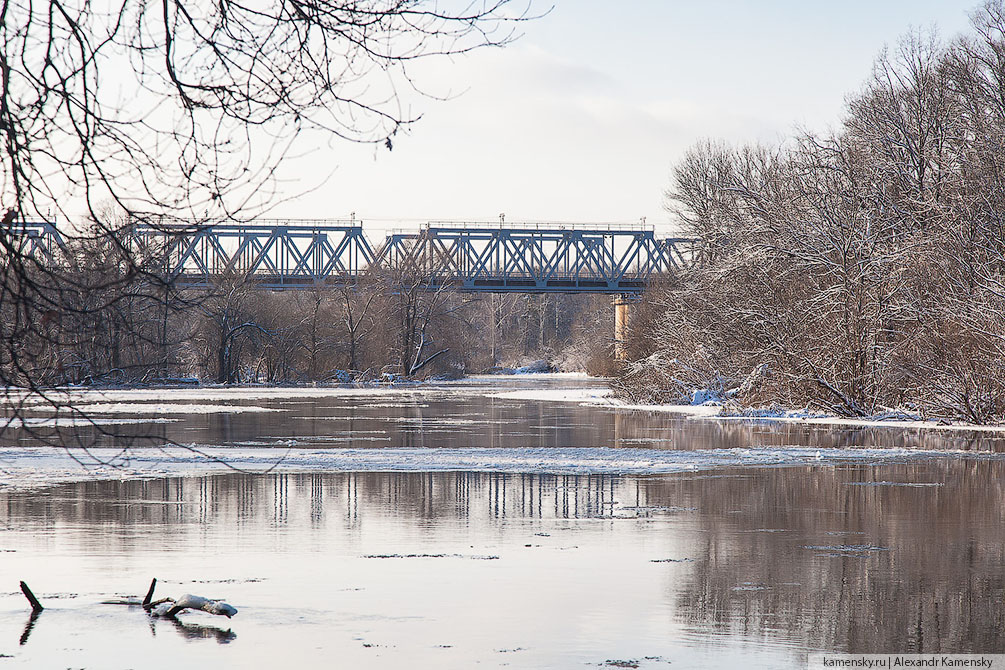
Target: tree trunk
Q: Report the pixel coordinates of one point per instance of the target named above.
(222, 373)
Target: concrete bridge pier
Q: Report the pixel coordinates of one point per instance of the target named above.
(621, 303)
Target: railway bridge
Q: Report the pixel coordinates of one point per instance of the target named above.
(474, 257)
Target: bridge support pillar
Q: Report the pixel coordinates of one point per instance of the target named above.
(621, 303)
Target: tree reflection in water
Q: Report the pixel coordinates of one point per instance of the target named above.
(900, 557)
(904, 557)
(196, 631)
(187, 629)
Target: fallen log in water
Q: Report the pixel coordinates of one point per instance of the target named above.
(36, 606)
(189, 601)
(166, 608)
(169, 607)
(150, 594)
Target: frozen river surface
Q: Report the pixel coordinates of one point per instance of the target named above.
(489, 523)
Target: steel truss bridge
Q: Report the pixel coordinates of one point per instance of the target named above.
(523, 258)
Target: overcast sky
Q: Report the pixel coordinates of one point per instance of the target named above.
(582, 118)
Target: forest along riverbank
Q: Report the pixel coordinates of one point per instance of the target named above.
(590, 535)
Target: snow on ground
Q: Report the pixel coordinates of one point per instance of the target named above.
(713, 410)
(525, 376)
(40, 466)
(869, 423)
(603, 396)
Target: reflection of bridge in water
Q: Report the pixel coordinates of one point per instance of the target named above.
(522, 258)
(856, 557)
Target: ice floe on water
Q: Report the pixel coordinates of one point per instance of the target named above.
(76, 422)
(475, 557)
(437, 422)
(596, 395)
(203, 395)
(907, 484)
(393, 405)
(30, 467)
(162, 408)
(846, 550)
(206, 400)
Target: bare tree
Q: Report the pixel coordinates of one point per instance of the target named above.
(415, 309)
(180, 111)
(357, 301)
(859, 272)
(185, 109)
(229, 320)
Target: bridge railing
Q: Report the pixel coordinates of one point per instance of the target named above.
(600, 226)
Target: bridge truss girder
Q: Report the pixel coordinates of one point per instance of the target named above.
(533, 260)
(277, 255)
(481, 258)
(38, 240)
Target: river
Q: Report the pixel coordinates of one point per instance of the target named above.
(489, 523)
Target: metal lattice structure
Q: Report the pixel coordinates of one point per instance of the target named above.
(39, 240)
(473, 257)
(533, 259)
(276, 254)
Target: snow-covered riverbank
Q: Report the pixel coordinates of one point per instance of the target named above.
(601, 396)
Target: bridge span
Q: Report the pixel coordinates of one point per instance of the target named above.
(299, 254)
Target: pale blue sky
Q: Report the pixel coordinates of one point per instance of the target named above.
(581, 119)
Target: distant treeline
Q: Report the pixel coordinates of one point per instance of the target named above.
(860, 271)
